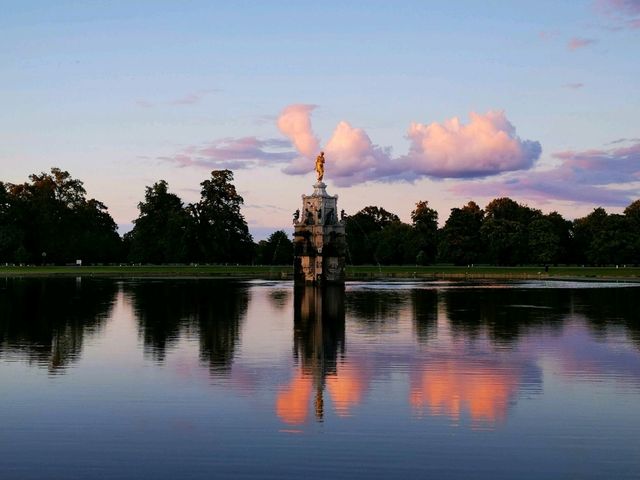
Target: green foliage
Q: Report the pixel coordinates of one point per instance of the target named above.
(160, 234)
(460, 241)
(363, 233)
(425, 228)
(221, 233)
(50, 220)
(276, 250)
(210, 231)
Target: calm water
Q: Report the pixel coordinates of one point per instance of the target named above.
(193, 378)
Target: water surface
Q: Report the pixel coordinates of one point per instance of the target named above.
(195, 378)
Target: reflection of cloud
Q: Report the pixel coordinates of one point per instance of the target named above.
(582, 176)
(292, 403)
(453, 386)
(583, 358)
(346, 390)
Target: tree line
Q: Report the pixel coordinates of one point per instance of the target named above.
(50, 220)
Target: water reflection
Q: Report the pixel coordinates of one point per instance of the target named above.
(505, 314)
(425, 313)
(45, 321)
(318, 348)
(211, 311)
(465, 352)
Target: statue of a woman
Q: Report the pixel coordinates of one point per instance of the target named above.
(320, 166)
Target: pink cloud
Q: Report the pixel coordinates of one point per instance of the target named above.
(622, 14)
(234, 153)
(578, 43)
(487, 145)
(295, 123)
(582, 176)
(353, 158)
(547, 35)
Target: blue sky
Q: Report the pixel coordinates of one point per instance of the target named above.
(114, 91)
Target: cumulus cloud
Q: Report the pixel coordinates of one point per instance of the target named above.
(487, 145)
(353, 158)
(577, 43)
(234, 153)
(295, 123)
(606, 177)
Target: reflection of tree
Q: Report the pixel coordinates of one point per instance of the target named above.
(168, 308)
(46, 320)
(425, 313)
(375, 308)
(604, 307)
(504, 313)
(507, 313)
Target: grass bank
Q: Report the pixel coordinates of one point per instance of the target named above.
(365, 272)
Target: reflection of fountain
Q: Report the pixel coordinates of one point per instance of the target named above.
(319, 335)
(319, 344)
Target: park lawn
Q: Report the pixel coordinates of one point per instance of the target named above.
(360, 272)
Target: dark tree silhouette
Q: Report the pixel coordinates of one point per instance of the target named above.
(160, 233)
(221, 232)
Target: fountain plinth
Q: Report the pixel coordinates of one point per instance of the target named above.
(319, 239)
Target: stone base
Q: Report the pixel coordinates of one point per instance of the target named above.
(318, 270)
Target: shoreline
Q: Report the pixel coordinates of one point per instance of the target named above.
(353, 273)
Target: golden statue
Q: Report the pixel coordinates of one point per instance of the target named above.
(320, 166)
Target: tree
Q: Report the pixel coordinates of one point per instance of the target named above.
(160, 233)
(425, 224)
(50, 219)
(397, 244)
(632, 213)
(11, 233)
(505, 231)
(544, 244)
(460, 241)
(276, 250)
(603, 239)
(362, 231)
(221, 233)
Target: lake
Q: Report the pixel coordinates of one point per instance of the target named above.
(202, 378)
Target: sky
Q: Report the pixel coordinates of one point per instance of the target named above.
(410, 100)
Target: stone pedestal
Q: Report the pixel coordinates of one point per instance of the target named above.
(319, 239)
